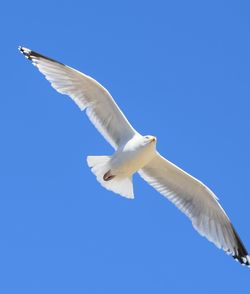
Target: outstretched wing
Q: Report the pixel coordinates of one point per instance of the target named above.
(88, 94)
(198, 202)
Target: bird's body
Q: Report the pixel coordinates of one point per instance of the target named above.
(134, 155)
(115, 172)
(137, 153)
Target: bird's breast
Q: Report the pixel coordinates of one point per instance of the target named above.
(129, 161)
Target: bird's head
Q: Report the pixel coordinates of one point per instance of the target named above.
(150, 139)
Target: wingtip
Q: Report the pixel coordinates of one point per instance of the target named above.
(25, 51)
(243, 260)
(34, 56)
(246, 260)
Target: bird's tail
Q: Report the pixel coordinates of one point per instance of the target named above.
(100, 166)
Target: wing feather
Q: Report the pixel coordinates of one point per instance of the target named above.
(88, 94)
(198, 202)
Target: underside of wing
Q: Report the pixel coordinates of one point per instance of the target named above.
(87, 94)
(198, 202)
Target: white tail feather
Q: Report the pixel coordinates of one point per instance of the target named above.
(121, 185)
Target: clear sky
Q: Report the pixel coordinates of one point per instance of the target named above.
(179, 70)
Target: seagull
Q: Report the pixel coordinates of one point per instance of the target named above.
(136, 153)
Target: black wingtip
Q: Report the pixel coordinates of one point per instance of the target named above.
(244, 260)
(25, 51)
(241, 252)
(32, 55)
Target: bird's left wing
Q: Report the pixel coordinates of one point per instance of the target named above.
(88, 94)
(198, 202)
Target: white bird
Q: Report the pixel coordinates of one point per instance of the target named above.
(137, 153)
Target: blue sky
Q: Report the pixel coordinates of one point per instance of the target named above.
(179, 70)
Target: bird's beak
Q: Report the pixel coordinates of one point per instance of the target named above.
(153, 139)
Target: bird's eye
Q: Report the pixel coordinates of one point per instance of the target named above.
(147, 137)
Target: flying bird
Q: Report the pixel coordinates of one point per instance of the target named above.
(136, 153)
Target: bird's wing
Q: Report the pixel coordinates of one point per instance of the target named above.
(88, 94)
(198, 202)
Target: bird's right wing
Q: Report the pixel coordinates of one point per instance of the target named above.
(88, 94)
(198, 202)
